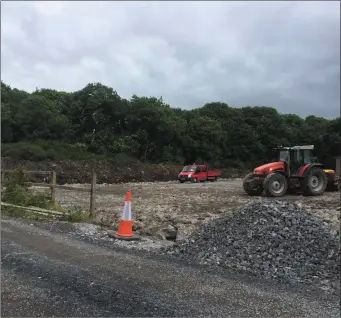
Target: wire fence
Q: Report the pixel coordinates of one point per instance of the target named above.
(53, 186)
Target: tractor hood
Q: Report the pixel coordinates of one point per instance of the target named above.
(269, 167)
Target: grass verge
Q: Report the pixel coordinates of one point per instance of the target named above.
(21, 213)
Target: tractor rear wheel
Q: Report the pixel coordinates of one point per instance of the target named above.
(249, 188)
(315, 183)
(275, 185)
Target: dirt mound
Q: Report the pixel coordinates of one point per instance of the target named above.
(272, 239)
(107, 172)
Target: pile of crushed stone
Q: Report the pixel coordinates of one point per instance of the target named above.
(268, 238)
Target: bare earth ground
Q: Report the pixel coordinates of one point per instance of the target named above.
(184, 206)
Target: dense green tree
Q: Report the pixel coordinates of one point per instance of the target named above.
(96, 118)
(40, 118)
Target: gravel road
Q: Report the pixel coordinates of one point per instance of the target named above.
(50, 274)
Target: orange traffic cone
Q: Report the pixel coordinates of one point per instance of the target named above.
(125, 230)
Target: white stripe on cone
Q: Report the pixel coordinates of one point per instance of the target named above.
(127, 215)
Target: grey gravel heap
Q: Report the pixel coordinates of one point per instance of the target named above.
(270, 238)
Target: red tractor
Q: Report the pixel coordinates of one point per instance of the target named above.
(293, 170)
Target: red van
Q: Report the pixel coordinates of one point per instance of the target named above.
(198, 173)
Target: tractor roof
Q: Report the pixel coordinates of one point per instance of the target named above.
(305, 147)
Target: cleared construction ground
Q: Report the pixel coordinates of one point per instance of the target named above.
(164, 208)
(295, 238)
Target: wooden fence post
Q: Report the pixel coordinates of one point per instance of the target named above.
(2, 179)
(53, 188)
(93, 194)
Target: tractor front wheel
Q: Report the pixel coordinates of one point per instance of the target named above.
(249, 187)
(275, 185)
(315, 183)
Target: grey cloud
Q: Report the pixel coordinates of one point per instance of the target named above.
(280, 54)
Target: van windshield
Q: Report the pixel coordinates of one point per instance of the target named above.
(189, 169)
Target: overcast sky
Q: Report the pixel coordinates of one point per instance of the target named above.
(280, 54)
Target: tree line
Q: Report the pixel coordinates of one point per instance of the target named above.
(100, 122)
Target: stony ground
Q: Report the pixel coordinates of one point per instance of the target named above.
(173, 211)
(272, 239)
(44, 274)
(165, 212)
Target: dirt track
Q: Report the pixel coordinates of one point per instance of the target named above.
(184, 206)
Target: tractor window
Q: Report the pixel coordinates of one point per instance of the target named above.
(299, 157)
(308, 158)
(284, 155)
(204, 169)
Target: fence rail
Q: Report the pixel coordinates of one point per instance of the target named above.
(53, 185)
(28, 172)
(57, 186)
(34, 209)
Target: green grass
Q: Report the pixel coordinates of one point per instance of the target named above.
(21, 213)
(77, 217)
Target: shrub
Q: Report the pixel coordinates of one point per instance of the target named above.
(47, 150)
(123, 159)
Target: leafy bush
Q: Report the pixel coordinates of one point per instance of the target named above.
(123, 159)
(47, 150)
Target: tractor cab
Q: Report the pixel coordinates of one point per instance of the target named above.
(295, 158)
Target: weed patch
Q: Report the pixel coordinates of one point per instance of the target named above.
(77, 217)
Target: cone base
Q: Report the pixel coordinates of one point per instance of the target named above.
(124, 238)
